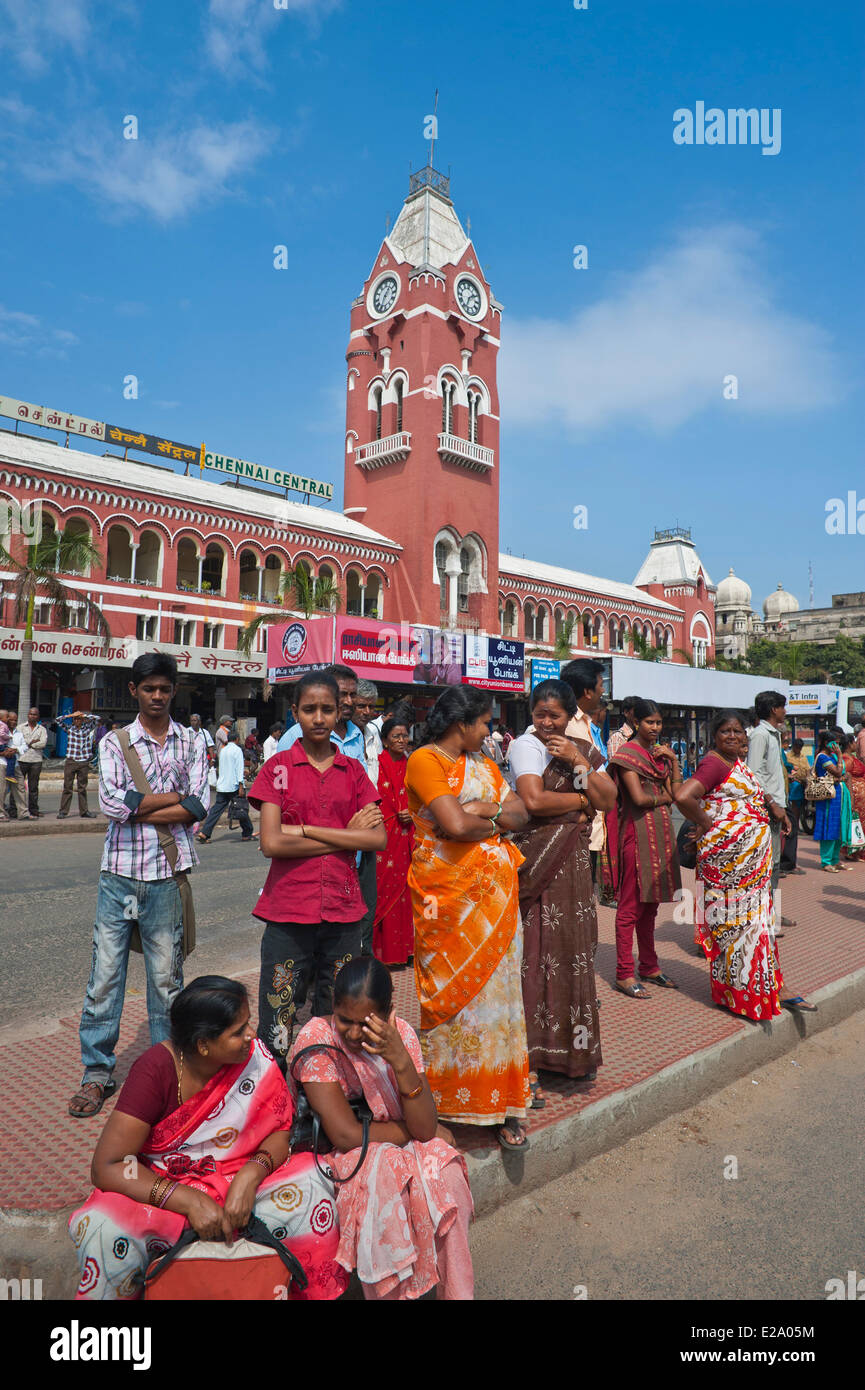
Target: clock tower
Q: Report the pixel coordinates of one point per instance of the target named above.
(422, 414)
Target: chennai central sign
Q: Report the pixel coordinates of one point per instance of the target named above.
(241, 468)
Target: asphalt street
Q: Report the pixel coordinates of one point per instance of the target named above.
(663, 1217)
(47, 901)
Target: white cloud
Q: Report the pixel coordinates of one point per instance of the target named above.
(655, 352)
(237, 31)
(29, 32)
(26, 333)
(166, 175)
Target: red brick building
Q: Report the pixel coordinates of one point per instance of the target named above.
(187, 561)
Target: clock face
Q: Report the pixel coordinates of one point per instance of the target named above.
(385, 295)
(469, 297)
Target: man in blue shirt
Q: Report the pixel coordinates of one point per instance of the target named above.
(229, 784)
(349, 739)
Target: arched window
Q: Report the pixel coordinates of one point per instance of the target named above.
(119, 553)
(463, 580)
(529, 613)
(353, 594)
(377, 403)
(588, 629)
(510, 622)
(372, 597)
(272, 578)
(559, 622)
(441, 561)
(76, 527)
(448, 398)
(248, 574)
(327, 576)
(211, 570)
(399, 389)
(148, 558)
(187, 564)
(474, 411)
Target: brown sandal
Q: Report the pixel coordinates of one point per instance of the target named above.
(84, 1097)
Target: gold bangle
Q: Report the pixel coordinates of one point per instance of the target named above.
(410, 1095)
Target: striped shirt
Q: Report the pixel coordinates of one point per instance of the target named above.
(80, 735)
(179, 765)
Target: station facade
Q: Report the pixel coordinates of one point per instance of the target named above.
(187, 561)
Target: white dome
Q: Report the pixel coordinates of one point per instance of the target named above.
(733, 593)
(779, 603)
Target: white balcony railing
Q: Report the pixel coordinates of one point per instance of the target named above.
(463, 451)
(393, 449)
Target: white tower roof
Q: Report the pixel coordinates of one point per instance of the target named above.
(428, 231)
(672, 559)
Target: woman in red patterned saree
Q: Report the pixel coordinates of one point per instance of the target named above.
(199, 1136)
(647, 774)
(393, 928)
(735, 914)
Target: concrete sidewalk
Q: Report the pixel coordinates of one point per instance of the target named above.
(660, 1055)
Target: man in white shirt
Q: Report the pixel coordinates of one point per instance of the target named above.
(586, 679)
(272, 741)
(34, 736)
(199, 730)
(229, 784)
(363, 717)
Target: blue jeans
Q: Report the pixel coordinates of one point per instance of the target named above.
(157, 909)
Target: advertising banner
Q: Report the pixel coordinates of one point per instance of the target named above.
(378, 651)
(298, 646)
(544, 670)
(440, 656)
(494, 663)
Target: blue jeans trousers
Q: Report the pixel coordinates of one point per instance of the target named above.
(121, 902)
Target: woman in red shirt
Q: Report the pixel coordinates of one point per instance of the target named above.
(318, 808)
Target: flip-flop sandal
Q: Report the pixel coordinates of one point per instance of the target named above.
(513, 1126)
(799, 1005)
(663, 980)
(633, 991)
(538, 1102)
(105, 1089)
(203, 839)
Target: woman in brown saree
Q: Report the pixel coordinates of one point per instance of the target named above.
(647, 774)
(561, 782)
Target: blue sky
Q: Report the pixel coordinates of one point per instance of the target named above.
(296, 126)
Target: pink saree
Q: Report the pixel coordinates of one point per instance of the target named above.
(204, 1143)
(403, 1219)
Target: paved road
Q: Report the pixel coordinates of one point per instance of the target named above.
(657, 1219)
(47, 901)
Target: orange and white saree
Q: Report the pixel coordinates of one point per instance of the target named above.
(468, 948)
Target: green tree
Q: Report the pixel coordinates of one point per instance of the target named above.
(298, 591)
(37, 577)
(562, 644)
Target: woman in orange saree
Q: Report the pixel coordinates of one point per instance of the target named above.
(468, 933)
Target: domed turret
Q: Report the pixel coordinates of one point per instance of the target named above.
(779, 604)
(733, 593)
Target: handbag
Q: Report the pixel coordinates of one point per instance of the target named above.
(306, 1127)
(819, 788)
(168, 845)
(857, 834)
(253, 1268)
(686, 847)
(238, 806)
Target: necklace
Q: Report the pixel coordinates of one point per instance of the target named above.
(179, 1079)
(443, 753)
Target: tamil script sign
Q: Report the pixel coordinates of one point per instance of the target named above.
(242, 468)
(297, 647)
(164, 448)
(494, 663)
(378, 651)
(544, 669)
(50, 418)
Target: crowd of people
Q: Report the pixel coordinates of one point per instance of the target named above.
(482, 871)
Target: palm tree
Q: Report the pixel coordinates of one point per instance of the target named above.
(36, 577)
(643, 649)
(562, 645)
(308, 595)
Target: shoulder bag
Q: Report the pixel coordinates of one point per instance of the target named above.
(168, 844)
(306, 1127)
(819, 788)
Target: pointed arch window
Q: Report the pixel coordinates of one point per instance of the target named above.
(463, 580)
(377, 400)
(441, 562)
(448, 394)
(474, 411)
(400, 387)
